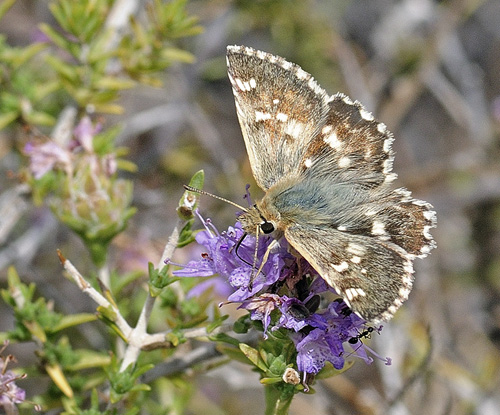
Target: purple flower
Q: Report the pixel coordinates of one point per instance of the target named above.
(45, 156)
(85, 131)
(284, 295)
(232, 261)
(10, 393)
(49, 155)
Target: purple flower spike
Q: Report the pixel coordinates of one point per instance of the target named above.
(285, 287)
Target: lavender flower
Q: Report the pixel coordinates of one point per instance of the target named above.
(49, 155)
(84, 133)
(233, 268)
(45, 156)
(281, 297)
(10, 394)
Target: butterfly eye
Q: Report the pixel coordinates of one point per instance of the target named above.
(267, 227)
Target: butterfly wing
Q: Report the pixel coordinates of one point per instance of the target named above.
(326, 165)
(280, 108)
(373, 277)
(352, 158)
(343, 217)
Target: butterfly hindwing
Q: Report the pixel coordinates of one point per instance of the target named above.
(402, 220)
(280, 108)
(373, 277)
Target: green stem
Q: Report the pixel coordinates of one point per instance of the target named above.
(278, 400)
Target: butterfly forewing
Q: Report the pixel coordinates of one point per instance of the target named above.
(351, 146)
(280, 108)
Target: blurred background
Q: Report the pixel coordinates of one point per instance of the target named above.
(430, 70)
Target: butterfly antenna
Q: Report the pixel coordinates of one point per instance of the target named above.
(203, 192)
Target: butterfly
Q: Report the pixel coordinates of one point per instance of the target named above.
(325, 165)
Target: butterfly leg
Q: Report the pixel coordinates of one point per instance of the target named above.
(271, 246)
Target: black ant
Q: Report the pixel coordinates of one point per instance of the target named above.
(365, 334)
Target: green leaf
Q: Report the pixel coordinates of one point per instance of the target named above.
(329, 371)
(73, 320)
(88, 359)
(177, 55)
(23, 55)
(186, 236)
(39, 118)
(234, 354)
(7, 118)
(69, 72)
(47, 88)
(216, 323)
(5, 5)
(114, 83)
(60, 41)
(253, 355)
(270, 381)
(278, 398)
(223, 337)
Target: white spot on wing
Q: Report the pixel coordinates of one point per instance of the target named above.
(356, 259)
(381, 127)
(344, 162)
(308, 163)
(240, 84)
(389, 178)
(340, 267)
(294, 128)
(425, 249)
(347, 100)
(253, 83)
(326, 130)
(427, 234)
(366, 115)
(387, 166)
(404, 292)
(387, 144)
(355, 249)
(378, 228)
(352, 293)
(313, 85)
(429, 215)
(301, 74)
(262, 116)
(281, 117)
(333, 141)
(370, 212)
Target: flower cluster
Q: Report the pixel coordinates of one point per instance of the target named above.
(65, 152)
(11, 395)
(286, 294)
(85, 191)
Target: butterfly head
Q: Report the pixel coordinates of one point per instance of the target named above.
(257, 219)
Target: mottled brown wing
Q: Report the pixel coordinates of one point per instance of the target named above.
(351, 146)
(373, 277)
(280, 108)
